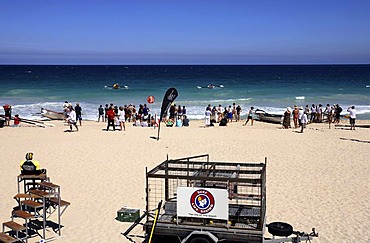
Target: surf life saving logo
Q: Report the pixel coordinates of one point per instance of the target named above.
(202, 201)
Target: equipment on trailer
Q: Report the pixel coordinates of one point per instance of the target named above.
(208, 202)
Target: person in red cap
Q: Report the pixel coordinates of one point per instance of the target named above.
(8, 114)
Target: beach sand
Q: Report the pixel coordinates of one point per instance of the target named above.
(316, 179)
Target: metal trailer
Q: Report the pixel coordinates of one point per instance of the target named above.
(245, 186)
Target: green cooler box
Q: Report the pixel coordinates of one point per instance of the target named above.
(128, 214)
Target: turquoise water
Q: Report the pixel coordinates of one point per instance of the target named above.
(271, 88)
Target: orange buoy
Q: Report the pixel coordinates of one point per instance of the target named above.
(150, 99)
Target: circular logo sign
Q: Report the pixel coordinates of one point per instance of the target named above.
(202, 201)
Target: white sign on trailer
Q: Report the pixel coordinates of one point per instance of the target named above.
(202, 203)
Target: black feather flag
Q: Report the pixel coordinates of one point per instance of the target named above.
(168, 98)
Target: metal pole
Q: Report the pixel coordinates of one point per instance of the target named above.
(147, 193)
(166, 181)
(159, 128)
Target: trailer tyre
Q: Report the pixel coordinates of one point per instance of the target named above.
(280, 229)
(199, 240)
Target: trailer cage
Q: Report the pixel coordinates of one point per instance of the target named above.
(244, 182)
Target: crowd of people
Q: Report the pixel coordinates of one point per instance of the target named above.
(177, 115)
(316, 114)
(115, 116)
(300, 116)
(222, 115)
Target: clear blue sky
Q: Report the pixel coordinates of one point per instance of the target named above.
(184, 32)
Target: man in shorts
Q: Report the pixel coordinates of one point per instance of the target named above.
(250, 117)
(352, 117)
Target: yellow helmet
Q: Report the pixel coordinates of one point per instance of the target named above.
(29, 156)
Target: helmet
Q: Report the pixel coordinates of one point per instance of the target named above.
(29, 156)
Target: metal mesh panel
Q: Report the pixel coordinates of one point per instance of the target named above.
(244, 182)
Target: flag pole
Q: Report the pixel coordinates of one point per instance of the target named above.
(159, 127)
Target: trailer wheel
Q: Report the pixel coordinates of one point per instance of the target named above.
(199, 240)
(280, 229)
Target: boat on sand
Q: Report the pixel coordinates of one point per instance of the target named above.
(267, 117)
(54, 115)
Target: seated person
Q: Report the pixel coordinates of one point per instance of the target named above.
(169, 122)
(137, 123)
(17, 121)
(185, 121)
(31, 167)
(223, 122)
(152, 122)
(179, 123)
(144, 123)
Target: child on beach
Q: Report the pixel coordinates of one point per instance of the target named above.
(17, 121)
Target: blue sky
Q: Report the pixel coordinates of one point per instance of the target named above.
(185, 32)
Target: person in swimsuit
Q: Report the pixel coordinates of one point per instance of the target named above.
(295, 116)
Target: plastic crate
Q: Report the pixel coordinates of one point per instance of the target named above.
(128, 214)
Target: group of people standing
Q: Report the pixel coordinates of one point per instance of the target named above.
(222, 115)
(115, 115)
(316, 114)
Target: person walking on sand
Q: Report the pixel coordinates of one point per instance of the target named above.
(121, 118)
(250, 116)
(300, 113)
(303, 121)
(352, 117)
(78, 111)
(286, 118)
(72, 118)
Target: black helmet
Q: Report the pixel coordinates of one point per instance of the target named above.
(29, 156)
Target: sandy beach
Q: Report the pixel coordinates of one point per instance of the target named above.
(316, 179)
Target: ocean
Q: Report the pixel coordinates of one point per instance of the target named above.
(272, 88)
